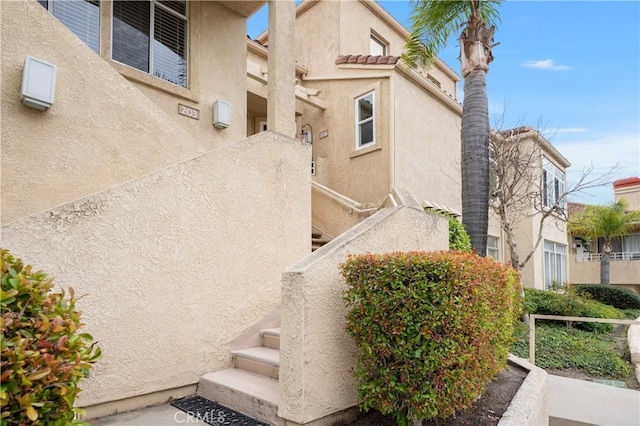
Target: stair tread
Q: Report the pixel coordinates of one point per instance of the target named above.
(270, 332)
(261, 354)
(246, 382)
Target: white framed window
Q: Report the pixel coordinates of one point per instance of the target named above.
(553, 181)
(82, 17)
(493, 249)
(152, 36)
(365, 120)
(377, 46)
(555, 263)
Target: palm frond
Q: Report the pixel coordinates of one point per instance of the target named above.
(433, 22)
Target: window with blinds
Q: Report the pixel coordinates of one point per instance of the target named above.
(152, 37)
(82, 17)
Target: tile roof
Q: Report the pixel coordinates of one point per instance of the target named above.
(630, 181)
(367, 59)
(573, 208)
(516, 131)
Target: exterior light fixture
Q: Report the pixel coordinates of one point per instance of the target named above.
(221, 114)
(38, 83)
(307, 136)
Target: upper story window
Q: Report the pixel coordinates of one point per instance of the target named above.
(378, 47)
(152, 37)
(553, 185)
(365, 120)
(82, 17)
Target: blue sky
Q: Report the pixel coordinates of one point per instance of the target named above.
(569, 68)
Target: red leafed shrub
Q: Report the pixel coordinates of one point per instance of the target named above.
(431, 329)
(44, 357)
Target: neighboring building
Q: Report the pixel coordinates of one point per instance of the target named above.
(625, 256)
(545, 193)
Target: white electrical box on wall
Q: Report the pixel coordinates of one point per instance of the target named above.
(38, 83)
(221, 114)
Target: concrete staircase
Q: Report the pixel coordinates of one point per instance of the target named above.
(251, 385)
(318, 240)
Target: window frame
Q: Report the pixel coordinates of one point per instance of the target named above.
(557, 275)
(374, 38)
(49, 7)
(359, 123)
(552, 194)
(495, 248)
(152, 12)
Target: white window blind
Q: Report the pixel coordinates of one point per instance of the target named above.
(152, 37)
(82, 17)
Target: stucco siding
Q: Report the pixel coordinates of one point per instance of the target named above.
(316, 353)
(360, 174)
(426, 137)
(101, 130)
(176, 264)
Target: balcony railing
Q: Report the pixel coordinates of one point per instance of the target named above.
(596, 257)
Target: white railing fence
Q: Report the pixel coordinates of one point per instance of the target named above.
(596, 257)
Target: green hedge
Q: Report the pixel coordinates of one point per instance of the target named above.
(621, 298)
(432, 329)
(44, 357)
(549, 303)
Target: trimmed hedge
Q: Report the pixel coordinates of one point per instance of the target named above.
(431, 329)
(621, 298)
(549, 303)
(43, 356)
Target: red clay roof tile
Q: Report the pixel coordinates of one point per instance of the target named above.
(630, 181)
(367, 59)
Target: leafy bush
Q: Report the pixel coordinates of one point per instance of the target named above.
(617, 297)
(43, 355)
(432, 329)
(458, 238)
(549, 303)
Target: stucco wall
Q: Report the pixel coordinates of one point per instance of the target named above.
(427, 145)
(105, 129)
(360, 174)
(361, 19)
(631, 193)
(217, 71)
(317, 355)
(176, 264)
(621, 271)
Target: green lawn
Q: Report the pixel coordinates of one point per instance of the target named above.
(596, 354)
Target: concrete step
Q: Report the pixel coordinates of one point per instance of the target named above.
(260, 360)
(271, 338)
(249, 393)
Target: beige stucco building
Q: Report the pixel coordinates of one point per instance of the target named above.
(150, 184)
(538, 217)
(584, 261)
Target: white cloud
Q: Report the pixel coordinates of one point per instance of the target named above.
(602, 154)
(545, 64)
(571, 130)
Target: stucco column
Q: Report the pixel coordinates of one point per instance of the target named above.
(281, 101)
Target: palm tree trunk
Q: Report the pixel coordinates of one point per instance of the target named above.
(605, 262)
(475, 160)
